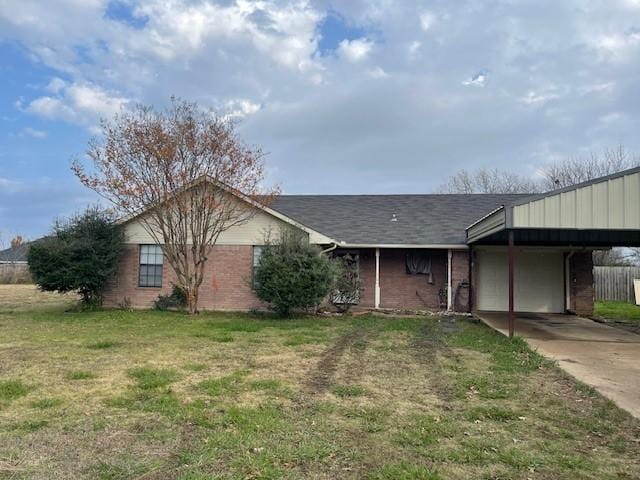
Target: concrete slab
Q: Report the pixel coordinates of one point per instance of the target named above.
(606, 358)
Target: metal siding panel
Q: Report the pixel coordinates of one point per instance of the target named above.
(552, 211)
(615, 201)
(584, 207)
(600, 205)
(536, 216)
(632, 201)
(568, 209)
(521, 215)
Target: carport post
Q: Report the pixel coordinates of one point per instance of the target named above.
(511, 255)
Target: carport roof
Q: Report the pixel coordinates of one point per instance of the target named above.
(603, 212)
(412, 220)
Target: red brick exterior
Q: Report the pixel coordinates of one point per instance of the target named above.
(226, 285)
(401, 290)
(460, 281)
(581, 283)
(227, 282)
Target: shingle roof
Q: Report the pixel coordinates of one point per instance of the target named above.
(438, 219)
(18, 254)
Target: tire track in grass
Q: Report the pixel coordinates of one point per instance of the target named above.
(321, 377)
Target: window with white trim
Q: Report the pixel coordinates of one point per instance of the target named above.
(257, 253)
(150, 268)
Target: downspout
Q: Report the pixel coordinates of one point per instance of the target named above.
(567, 280)
(449, 282)
(377, 286)
(330, 249)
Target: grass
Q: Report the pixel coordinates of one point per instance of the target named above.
(79, 375)
(246, 396)
(148, 378)
(12, 389)
(618, 311)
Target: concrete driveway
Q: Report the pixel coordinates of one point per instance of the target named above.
(603, 357)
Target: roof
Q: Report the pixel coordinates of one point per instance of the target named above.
(436, 219)
(18, 254)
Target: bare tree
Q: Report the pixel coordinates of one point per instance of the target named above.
(579, 169)
(616, 257)
(488, 181)
(184, 174)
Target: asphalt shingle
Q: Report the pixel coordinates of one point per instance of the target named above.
(437, 219)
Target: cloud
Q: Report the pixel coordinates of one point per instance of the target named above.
(355, 50)
(536, 98)
(55, 85)
(427, 19)
(33, 133)
(477, 80)
(84, 104)
(240, 108)
(358, 96)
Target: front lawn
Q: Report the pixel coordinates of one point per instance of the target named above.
(618, 311)
(153, 395)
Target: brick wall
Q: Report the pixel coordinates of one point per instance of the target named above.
(227, 280)
(398, 289)
(581, 281)
(460, 275)
(226, 284)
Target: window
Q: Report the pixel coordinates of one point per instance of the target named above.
(151, 257)
(419, 263)
(257, 252)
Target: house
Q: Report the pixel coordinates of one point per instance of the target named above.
(459, 252)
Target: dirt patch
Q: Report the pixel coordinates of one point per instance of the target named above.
(429, 347)
(325, 370)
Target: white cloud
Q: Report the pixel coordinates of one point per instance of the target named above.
(376, 106)
(34, 133)
(240, 108)
(378, 72)
(478, 80)
(618, 45)
(355, 50)
(10, 186)
(538, 98)
(427, 19)
(78, 103)
(55, 85)
(51, 108)
(413, 49)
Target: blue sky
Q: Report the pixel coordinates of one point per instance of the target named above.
(363, 96)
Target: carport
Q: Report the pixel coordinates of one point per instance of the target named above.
(535, 255)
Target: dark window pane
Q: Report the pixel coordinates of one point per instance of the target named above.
(150, 267)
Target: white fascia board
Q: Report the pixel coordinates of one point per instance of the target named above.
(404, 245)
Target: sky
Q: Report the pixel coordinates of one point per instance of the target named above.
(379, 96)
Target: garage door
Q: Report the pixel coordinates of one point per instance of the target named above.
(538, 281)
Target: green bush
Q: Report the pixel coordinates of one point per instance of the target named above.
(80, 255)
(292, 274)
(176, 299)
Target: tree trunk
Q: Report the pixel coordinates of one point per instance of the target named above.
(192, 299)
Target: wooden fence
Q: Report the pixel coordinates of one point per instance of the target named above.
(615, 283)
(14, 272)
